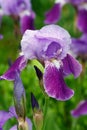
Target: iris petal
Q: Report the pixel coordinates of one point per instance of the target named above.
(71, 66)
(54, 84)
(53, 15)
(18, 65)
(26, 22)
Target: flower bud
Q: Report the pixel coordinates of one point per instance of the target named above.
(38, 73)
(38, 119)
(22, 125)
(19, 98)
(37, 113)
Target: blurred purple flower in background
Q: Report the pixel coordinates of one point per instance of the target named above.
(27, 21)
(50, 45)
(77, 2)
(54, 14)
(15, 7)
(81, 14)
(21, 9)
(79, 45)
(81, 109)
(82, 18)
(1, 36)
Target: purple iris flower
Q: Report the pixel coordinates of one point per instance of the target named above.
(6, 115)
(21, 9)
(79, 46)
(50, 45)
(81, 109)
(54, 14)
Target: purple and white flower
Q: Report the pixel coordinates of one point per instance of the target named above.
(50, 45)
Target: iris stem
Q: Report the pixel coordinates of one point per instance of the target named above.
(45, 112)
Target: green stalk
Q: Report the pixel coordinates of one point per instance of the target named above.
(45, 112)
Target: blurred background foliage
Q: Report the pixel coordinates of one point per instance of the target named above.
(58, 112)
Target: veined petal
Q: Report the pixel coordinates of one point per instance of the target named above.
(18, 65)
(81, 109)
(54, 84)
(53, 15)
(71, 66)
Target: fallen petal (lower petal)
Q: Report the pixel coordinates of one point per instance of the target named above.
(54, 84)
